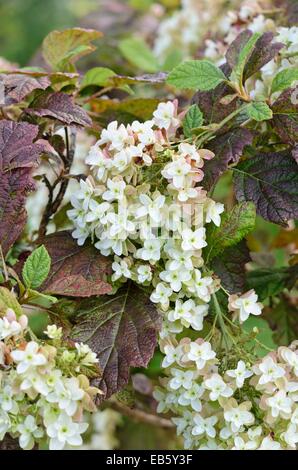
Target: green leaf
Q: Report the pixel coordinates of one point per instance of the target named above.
(269, 282)
(36, 268)
(61, 49)
(136, 51)
(245, 53)
(193, 119)
(196, 75)
(259, 111)
(265, 335)
(235, 225)
(98, 76)
(284, 79)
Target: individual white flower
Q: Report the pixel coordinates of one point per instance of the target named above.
(67, 394)
(195, 317)
(97, 159)
(4, 423)
(269, 370)
(191, 397)
(116, 137)
(170, 328)
(121, 227)
(218, 388)
(291, 358)
(183, 422)
(81, 235)
(200, 353)
(33, 380)
(120, 269)
(64, 431)
(29, 431)
(30, 357)
(238, 416)
(7, 401)
(160, 396)
(165, 116)
(290, 436)
(78, 213)
(204, 426)
(240, 373)
(85, 193)
(144, 273)
(245, 305)
(9, 329)
(188, 150)
(86, 355)
(240, 444)
(115, 190)
(172, 354)
(144, 131)
(193, 240)
(151, 250)
(181, 378)
(97, 211)
(176, 172)
(150, 207)
(269, 444)
(175, 278)
(161, 295)
(180, 260)
(201, 286)
(280, 404)
(213, 211)
(53, 332)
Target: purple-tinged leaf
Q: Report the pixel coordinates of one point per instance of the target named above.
(75, 271)
(59, 106)
(230, 267)
(227, 148)
(285, 116)
(122, 330)
(14, 188)
(18, 86)
(17, 147)
(263, 51)
(270, 180)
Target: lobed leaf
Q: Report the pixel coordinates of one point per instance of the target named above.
(122, 330)
(235, 225)
(270, 180)
(75, 271)
(61, 48)
(18, 86)
(59, 106)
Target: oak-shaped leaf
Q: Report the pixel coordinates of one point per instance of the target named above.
(18, 156)
(271, 281)
(14, 188)
(235, 225)
(76, 271)
(61, 49)
(17, 146)
(227, 148)
(285, 116)
(270, 180)
(59, 106)
(17, 86)
(230, 267)
(122, 330)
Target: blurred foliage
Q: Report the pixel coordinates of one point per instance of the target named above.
(24, 24)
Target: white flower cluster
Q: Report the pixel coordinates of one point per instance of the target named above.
(247, 407)
(150, 213)
(43, 386)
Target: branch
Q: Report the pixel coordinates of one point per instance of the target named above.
(63, 179)
(140, 416)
